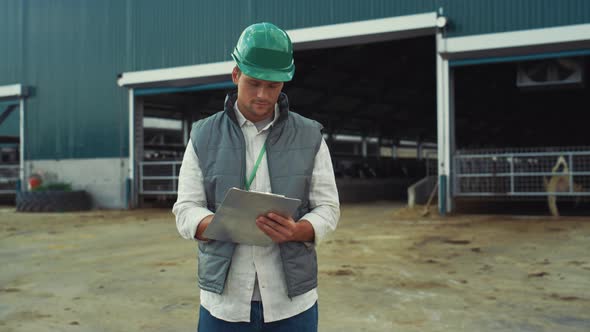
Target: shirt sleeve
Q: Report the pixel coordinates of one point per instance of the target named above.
(191, 205)
(323, 196)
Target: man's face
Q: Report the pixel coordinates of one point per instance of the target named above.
(256, 98)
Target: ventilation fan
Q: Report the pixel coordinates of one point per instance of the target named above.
(553, 72)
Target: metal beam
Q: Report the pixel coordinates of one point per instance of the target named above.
(11, 91)
(515, 42)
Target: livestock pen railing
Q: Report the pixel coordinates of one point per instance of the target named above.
(9, 176)
(158, 177)
(517, 173)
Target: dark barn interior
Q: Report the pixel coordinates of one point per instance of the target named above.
(384, 92)
(493, 112)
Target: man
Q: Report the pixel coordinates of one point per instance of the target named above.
(257, 144)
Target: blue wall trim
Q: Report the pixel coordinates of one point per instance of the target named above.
(540, 56)
(201, 87)
(442, 194)
(9, 102)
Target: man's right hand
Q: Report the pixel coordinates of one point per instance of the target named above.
(202, 227)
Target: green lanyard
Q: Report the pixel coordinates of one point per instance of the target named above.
(248, 182)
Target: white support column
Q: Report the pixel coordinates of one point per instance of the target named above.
(131, 177)
(21, 145)
(445, 122)
(186, 127)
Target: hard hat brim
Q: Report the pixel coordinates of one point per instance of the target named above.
(264, 74)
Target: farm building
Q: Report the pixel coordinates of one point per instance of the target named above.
(488, 98)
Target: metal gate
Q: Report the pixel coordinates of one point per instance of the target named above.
(10, 141)
(158, 177)
(522, 172)
(9, 176)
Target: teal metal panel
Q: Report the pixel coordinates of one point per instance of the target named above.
(11, 28)
(189, 32)
(70, 52)
(472, 17)
(74, 49)
(10, 125)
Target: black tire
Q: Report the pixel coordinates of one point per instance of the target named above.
(52, 201)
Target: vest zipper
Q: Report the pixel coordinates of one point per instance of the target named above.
(266, 141)
(268, 163)
(243, 161)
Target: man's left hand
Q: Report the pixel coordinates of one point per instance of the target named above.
(282, 229)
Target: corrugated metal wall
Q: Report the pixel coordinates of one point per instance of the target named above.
(68, 52)
(189, 32)
(11, 27)
(472, 17)
(71, 51)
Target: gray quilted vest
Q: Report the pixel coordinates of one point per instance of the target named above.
(291, 146)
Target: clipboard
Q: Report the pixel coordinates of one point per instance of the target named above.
(235, 219)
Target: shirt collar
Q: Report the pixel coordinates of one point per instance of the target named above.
(242, 120)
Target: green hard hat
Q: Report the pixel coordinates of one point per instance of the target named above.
(264, 51)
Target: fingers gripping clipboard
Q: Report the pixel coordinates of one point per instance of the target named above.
(235, 219)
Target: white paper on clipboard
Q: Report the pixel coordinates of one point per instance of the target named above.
(235, 219)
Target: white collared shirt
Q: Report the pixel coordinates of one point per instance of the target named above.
(251, 262)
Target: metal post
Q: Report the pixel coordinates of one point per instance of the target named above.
(571, 171)
(141, 177)
(131, 174)
(21, 145)
(456, 181)
(419, 150)
(445, 123)
(173, 176)
(511, 174)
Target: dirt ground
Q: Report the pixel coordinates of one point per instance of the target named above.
(384, 269)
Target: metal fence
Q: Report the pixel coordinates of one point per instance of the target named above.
(431, 158)
(9, 176)
(158, 177)
(525, 173)
(534, 172)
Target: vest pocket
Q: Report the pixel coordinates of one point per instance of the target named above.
(212, 271)
(213, 266)
(301, 267)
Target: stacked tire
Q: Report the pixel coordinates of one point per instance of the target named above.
(52, 201)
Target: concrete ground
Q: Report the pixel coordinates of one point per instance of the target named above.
(385, 269)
